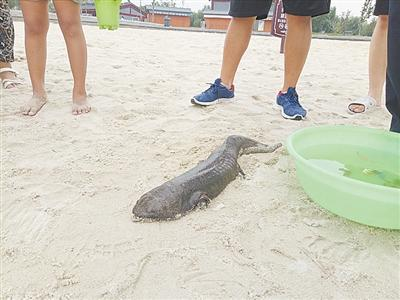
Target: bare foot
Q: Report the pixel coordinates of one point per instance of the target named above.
(33, 106)
(80, 107)
(357, 108)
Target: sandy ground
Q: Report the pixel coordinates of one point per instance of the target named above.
(69, 183)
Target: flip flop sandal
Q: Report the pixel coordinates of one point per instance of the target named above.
(368, 102)
(10, 82)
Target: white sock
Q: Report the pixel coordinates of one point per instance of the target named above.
(228, 87)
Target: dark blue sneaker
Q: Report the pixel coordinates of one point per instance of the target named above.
(214, 94)
(291, 108)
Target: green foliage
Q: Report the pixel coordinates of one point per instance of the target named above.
(51, 7)
(367, 29)
(196, 19)
(345, 24)
(164, 3)
(367, 10)
(14, 4)
(326, 23)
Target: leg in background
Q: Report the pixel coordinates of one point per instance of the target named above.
(377, 64)
(393, 70)
(298, 43)
(236, 43)
(68, 14)
(36, 26)
(378, 59)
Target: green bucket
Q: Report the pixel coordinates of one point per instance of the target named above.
(107, 12)
(354, 172)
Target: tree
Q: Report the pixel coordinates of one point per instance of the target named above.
(326, 23)
(367, 29)
(196, 19)
(346, 24)
(51, 7)
(366, 13)
(14, 4)
(164, 3)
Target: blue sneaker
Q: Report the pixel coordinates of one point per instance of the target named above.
(291, 108)
(214, 94)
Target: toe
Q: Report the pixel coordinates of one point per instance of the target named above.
(80, 109)
(32, 112)
(25, 110)
(357, 108)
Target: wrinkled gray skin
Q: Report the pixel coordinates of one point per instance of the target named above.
(200, 184)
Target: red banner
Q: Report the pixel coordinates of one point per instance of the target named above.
(279, 24)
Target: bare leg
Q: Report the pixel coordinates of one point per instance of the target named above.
(296, 50)
(68, 14)
(36, 27)
(236, 43)
(378, 59)
(377, 63)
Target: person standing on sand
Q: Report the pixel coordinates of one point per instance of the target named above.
(377, 61)
(393, 70)
(8, 76)
(36, 20)
(299, 15)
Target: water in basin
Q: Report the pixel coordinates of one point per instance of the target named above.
(363, 164)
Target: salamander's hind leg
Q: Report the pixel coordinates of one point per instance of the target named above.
(198, 199)
(204, 201)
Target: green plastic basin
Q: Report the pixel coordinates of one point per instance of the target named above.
(107, 12)
(353, 172)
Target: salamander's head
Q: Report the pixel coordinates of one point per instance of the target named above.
(161, 203)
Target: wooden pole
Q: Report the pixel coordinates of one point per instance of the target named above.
(283, 41)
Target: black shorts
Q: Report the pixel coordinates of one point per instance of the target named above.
(381, 8)
(261, 8)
